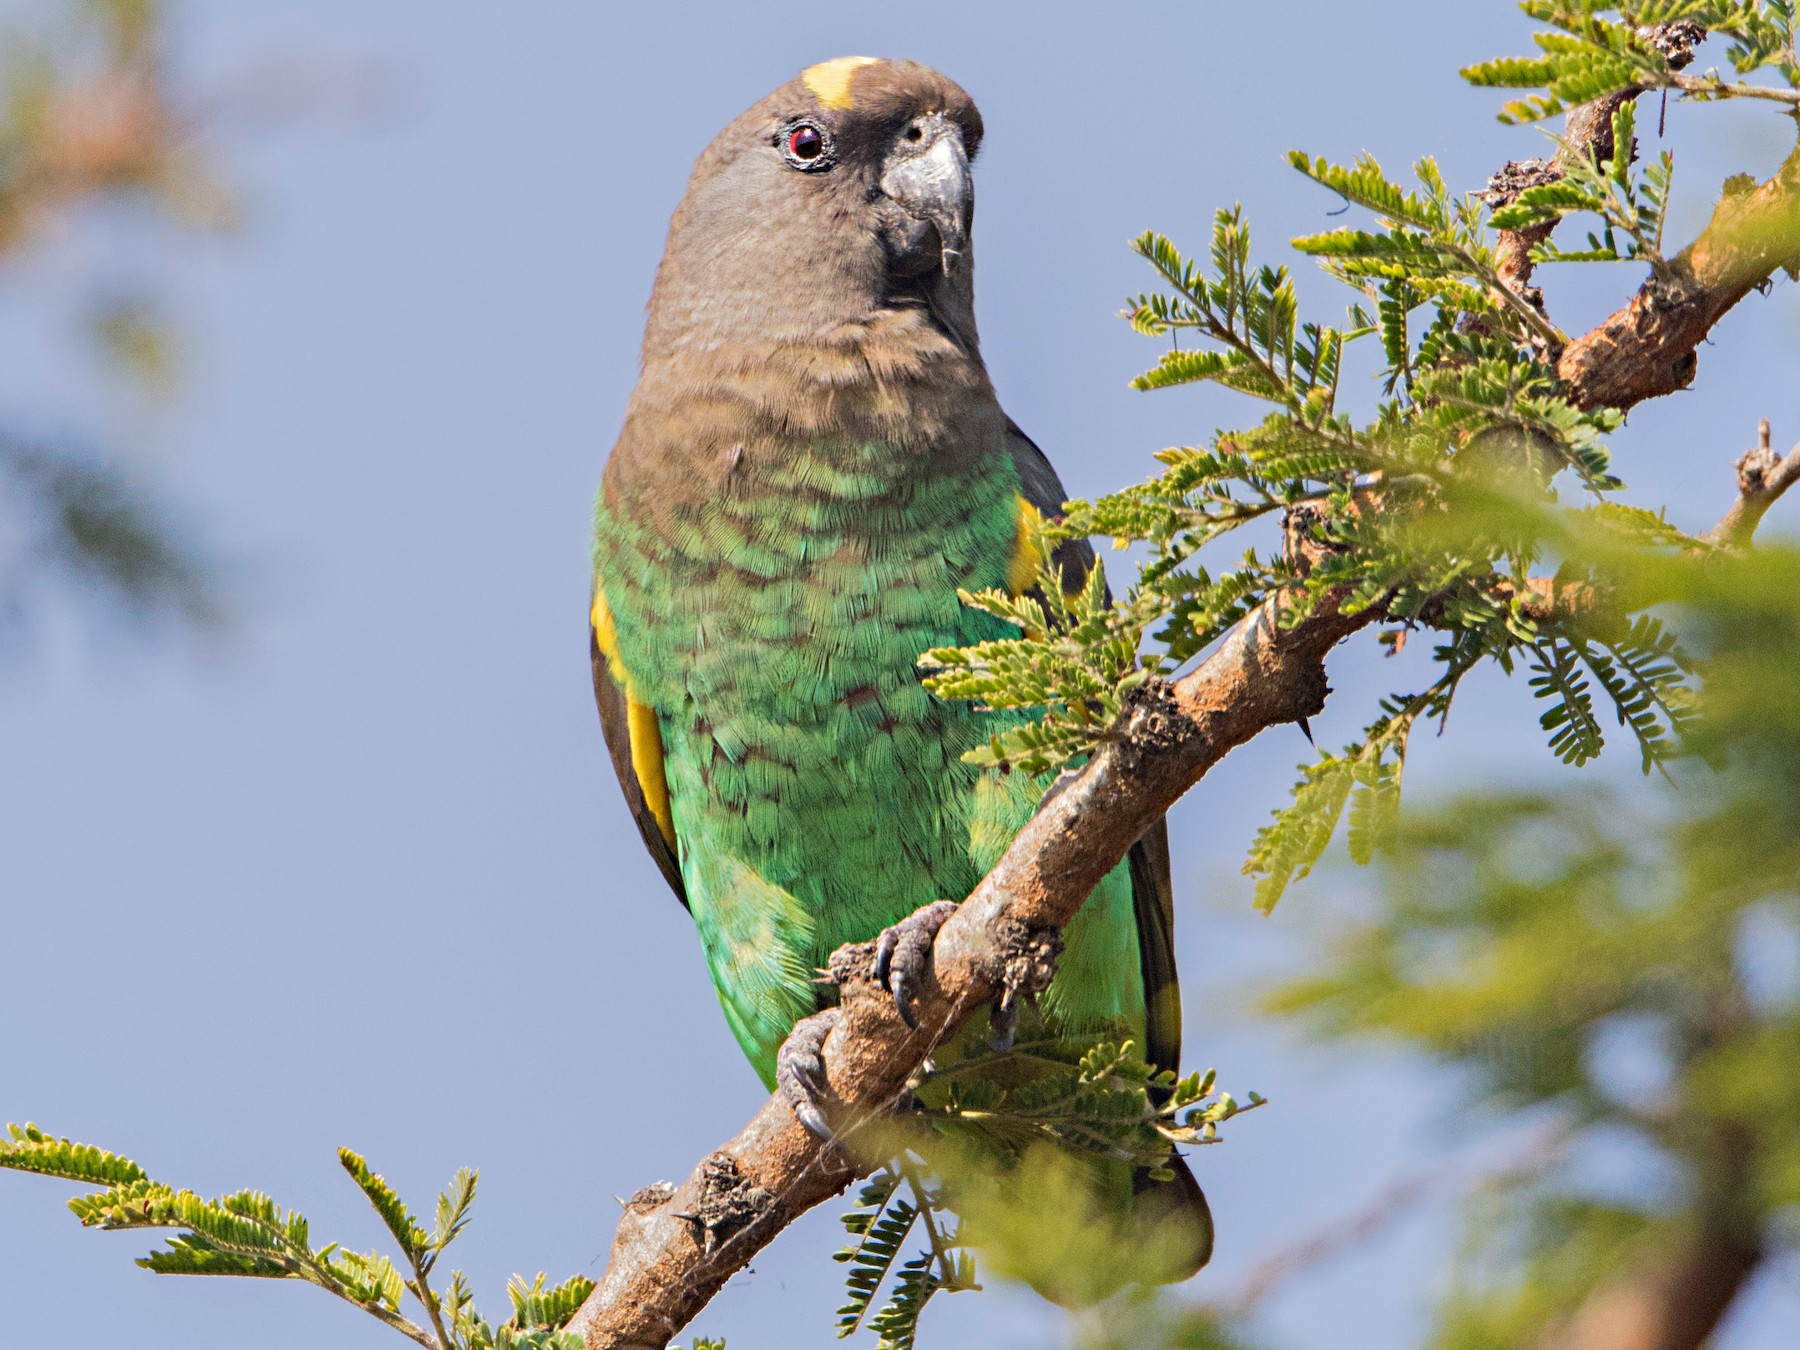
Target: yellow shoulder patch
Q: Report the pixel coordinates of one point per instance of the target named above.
(1027, 558)
(606, 633)
(829, 81)
(647, 765)
(641, 724)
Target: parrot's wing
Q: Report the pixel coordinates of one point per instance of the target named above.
(632, 762)
(1153, 903)
(1040, 486)
(1152, 890)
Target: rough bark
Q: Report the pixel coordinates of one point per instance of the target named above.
(1647, 348)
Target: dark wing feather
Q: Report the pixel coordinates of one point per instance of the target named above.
(615, 722)
(1041, 487)
(1152, 891)
(1153, 902)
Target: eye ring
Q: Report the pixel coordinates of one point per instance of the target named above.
(806, 146)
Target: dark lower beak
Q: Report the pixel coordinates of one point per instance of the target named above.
(932, 184)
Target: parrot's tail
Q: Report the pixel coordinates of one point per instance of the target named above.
(1175, 1217)
(1078, 1228)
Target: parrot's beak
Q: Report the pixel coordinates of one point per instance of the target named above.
(929, 180)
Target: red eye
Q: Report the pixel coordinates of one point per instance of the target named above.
(806, 143)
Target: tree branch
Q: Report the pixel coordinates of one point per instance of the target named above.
(677, 1246)
(1672, 1302)
(1587, 133)
(1674, 1296)
(1762, 477)
(1647, 348)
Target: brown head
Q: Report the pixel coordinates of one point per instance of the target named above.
(842, 195)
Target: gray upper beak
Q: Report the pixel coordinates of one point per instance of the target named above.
(934, 185)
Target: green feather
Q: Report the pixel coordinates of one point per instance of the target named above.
(818, 793)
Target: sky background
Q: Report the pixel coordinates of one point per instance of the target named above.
(362, 875)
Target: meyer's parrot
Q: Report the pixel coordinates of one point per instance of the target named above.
(812, 464)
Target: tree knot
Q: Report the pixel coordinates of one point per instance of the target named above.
(849, 963)
(729, 1202)
(1515, 176)
(1027, 961)
(646, 1198)
(1154, 720)
(1676, 40)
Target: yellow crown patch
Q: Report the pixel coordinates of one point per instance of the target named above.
(829, 81)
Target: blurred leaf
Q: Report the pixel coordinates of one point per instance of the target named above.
(75, 516)
(138, 342)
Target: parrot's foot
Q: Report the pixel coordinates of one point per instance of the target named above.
(800, 1070)
(902, 952)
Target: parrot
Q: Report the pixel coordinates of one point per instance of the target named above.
(812, 465)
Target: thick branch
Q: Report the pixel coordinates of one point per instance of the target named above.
(677, 1246)
(1671, 1302)
(1673, 1297)
(1647, 348)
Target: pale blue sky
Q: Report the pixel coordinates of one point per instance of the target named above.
(364, 877)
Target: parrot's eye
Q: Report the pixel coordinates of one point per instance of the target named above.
(806, 146)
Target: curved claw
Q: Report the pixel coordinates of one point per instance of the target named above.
(902, 951)
(800, 1071)
(1003, 1021)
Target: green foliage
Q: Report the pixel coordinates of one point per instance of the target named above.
(1762, 35)
(1062, 1106)
(413, 1240)
(1366, 777)
(1479, 505)
(1588, 55)
(29, 1149)
(1474, 472)
(1077, 662)
(248, 1234)
(1098, 1096)
(1518, 936)
(881, 1224)
(535, 1307)
(1628, 203)
(1434, 512)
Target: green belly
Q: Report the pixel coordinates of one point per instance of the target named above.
(818, 792)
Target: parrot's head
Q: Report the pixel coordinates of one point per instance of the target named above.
(845, 191)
